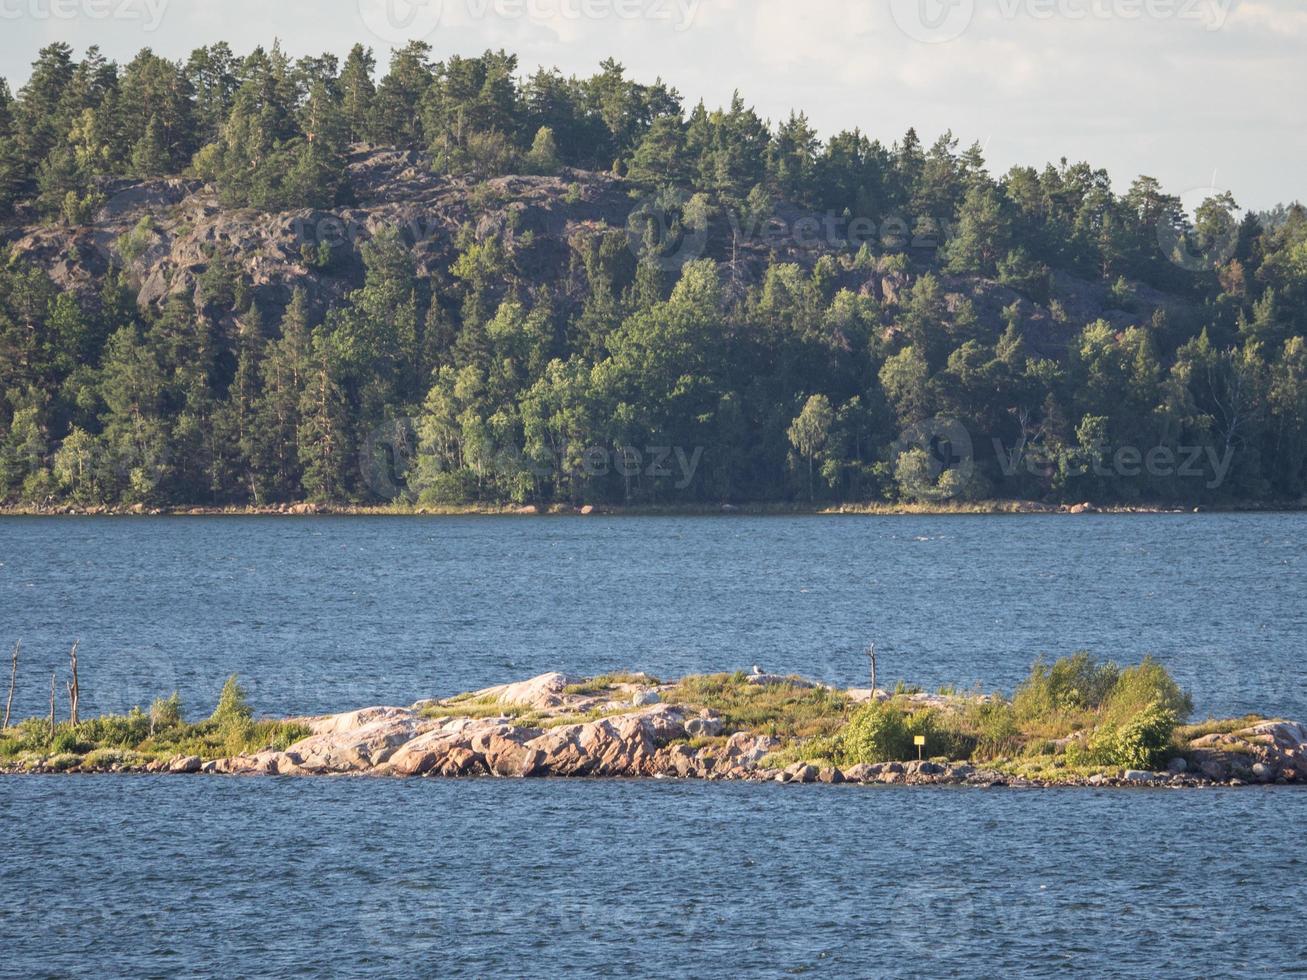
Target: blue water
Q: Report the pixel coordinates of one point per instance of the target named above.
(328, 614)
(210, 877)
(217, 878)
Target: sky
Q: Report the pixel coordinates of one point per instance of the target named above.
(1202, 94)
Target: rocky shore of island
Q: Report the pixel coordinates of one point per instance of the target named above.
(744, 509)
(554, 726)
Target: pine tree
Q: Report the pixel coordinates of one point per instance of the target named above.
(357, 92)
(153, 116)
(150, 155)
(792, 159)
(395, 116)
(284, 376)
(660, 157)
(58, 179)
(40, 119)
(543, 157)
(983, 236)
(242, 437)
(323, 446)
(211, 74)
(6, 109)
(13, 175)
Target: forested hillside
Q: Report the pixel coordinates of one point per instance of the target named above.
(250, 279)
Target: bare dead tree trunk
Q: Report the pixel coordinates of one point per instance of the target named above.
(74, 689)
(53, 679)
(871, 655)
(13, 680)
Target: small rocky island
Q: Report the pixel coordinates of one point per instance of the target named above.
(744, 727)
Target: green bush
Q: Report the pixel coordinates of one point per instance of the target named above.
(166, 713)
(1140, 743)
(1069, 684)
(877, 732)
(1138, 689)
(133, 244)
(33, 735)
(233, 710)
(66, 742)
(979, 729)
(281, 735)
(120, 731)
(448, 489)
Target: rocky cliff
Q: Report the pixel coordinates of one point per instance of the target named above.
(166, 233)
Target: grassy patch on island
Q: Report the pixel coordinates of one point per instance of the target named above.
(1074, 716)
(139, 737)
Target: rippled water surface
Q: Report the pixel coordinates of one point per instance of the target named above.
(149, 876)
(322, 615)
(212, 877)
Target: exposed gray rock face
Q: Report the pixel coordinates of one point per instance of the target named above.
(166, 233)
(178, 226)
(346, 750)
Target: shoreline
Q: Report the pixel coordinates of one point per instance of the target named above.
(978, 509)
(632, 726)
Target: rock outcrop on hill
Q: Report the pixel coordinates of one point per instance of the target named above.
(165, 233)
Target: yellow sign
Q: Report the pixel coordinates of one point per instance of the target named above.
(919, 740)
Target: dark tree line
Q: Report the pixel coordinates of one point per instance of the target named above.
(796, 385)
